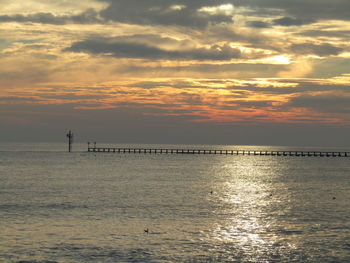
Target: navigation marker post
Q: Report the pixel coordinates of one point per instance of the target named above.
(70, 140)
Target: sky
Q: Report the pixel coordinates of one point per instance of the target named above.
(235, 72)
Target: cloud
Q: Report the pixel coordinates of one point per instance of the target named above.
(258, 24)
(199, 14)
(195, 69)
(250, 38)
(251, 104)
(12, 7)
(299, 11)
(89, 16)
(14, 100)
(224, 101)
(195, 14)
(336, 103)
(344, 34)
(170, 12)
(331, 66)
(125, 48)
(320, 50)
(289, 21)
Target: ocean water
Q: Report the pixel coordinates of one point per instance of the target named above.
(57, 206)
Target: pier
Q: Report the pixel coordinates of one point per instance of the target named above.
(213, 152)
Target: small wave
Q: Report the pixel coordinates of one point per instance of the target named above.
(48, 206)
(291, 232)
(64, 206)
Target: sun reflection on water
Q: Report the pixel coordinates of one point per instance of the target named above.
(249, 206)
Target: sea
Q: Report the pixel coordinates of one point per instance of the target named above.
(57, 206)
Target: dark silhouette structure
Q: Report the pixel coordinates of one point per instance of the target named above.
(70, 140)
(212, 151)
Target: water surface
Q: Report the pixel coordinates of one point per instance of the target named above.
(85, 207)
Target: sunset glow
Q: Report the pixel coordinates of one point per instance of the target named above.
(214, 62)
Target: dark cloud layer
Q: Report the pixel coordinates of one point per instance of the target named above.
(300, 11)
(320, 50)
(186, 13)
(90, 16)
(189, 13)
(126, 49)
(258, 24)
(171, 12)
(146, 12)
(290, 21)
(325, 103)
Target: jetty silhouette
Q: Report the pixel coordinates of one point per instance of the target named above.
(129, 150)
(126, 150)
